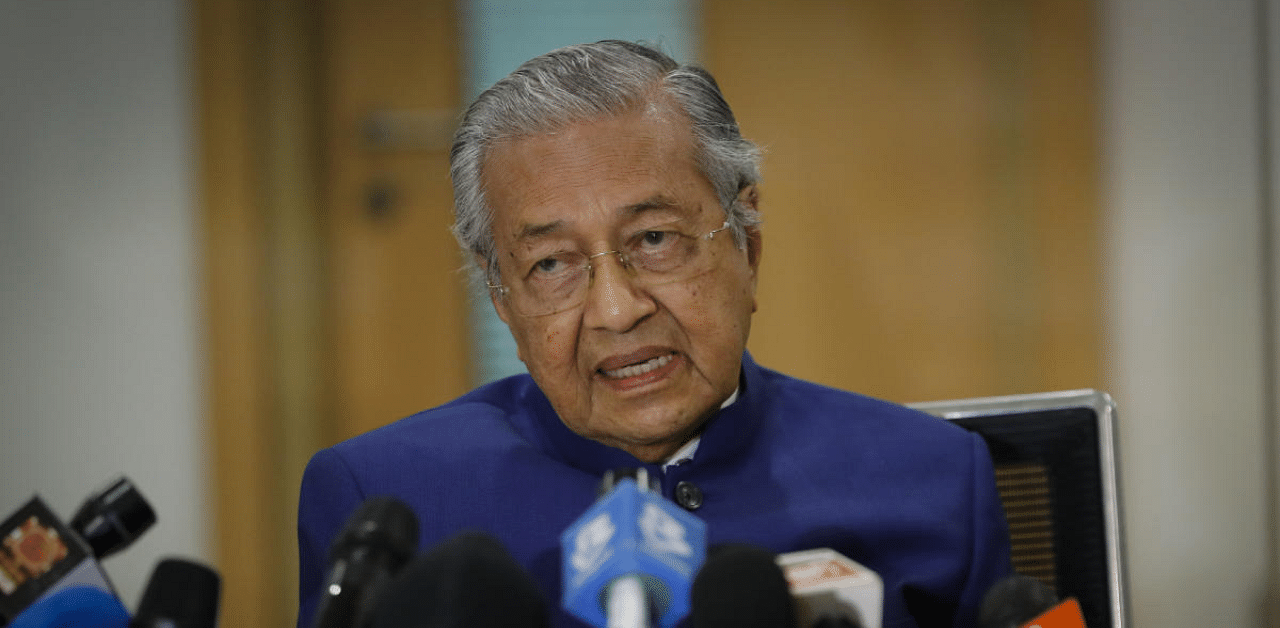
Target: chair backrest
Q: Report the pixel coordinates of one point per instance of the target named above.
(1055, 461)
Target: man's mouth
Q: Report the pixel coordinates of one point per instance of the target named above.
(641, 368)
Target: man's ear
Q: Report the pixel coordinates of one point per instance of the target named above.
(755, 247)
(750, 198)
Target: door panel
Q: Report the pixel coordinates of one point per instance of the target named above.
(397, 308)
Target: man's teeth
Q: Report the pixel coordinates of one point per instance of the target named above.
(639, 369)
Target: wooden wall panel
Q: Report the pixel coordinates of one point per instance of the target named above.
(325, 316)
(238, 386)
(930, 192)
(397, 308)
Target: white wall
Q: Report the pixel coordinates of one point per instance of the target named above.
(1272, 117)
(1273, 183)
(1186, 292)
(98, 354)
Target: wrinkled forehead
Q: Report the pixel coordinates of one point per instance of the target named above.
(601, 172)
(656, 107)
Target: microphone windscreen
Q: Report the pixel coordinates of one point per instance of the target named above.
(834, 621)
(741, 586)
(469, 580)
(1015, 601)
(74, 607)
(374, 544)
(382, 524)
(180, 594)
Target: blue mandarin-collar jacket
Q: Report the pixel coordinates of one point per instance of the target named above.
(790, 465)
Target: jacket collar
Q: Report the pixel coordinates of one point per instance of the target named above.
(727, 435)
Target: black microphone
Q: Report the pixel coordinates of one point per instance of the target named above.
(741, 586)
(180, 594)
(469, 580)
(835, 621)
(113, 518)
(377, 541)
(1014, 601)
(41, 556)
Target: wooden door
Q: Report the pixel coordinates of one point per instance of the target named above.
(333, 301)
(397, 295)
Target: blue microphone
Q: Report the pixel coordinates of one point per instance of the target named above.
(78, 606)
(629, 561)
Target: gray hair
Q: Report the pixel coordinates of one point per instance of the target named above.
(591, 82)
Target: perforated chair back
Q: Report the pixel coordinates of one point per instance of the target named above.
(1055, 461)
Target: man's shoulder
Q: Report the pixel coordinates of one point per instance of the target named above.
(817, 397)
(837, 411)
(479, 418)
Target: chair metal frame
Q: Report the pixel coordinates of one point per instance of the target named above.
(1104, 409)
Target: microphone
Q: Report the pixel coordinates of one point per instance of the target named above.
(628, 561)
(179, 594)
(113, 518)
(1066, 614)
(1024, 602)
(832, 591)
(76, 606)
(468, 581)
(377, 540)
(741, 586)
(40, 555)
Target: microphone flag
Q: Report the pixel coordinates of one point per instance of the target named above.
(1064, 615)
(826, 583)
(632, 532)
(39, 556)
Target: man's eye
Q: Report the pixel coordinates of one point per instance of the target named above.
(655, 239)
(547, 265)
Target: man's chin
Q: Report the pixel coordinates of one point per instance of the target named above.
(653, 452)
(655, 444)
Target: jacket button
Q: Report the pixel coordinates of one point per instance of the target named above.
(688, 495)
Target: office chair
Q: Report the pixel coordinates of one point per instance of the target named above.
(1055, 463)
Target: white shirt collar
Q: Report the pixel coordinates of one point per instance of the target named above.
(686, 453)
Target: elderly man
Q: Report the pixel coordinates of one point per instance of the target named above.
(610, 201)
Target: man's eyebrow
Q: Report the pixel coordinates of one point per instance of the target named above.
(532, 232)
(653, 203)
(657, 201)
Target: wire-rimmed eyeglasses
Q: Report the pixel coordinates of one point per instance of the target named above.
(549, 284)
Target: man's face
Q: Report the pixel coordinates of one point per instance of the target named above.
(588, 188)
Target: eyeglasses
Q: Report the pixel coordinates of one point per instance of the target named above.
(554, 283)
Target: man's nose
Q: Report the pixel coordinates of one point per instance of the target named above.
(615, 300)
